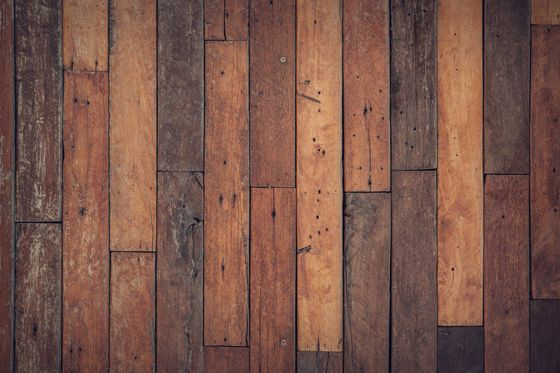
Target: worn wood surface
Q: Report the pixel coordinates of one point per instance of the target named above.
(460, 349)
(545, 12)
(319, 362)
(226, 19)
(226, 359)
(545, 336)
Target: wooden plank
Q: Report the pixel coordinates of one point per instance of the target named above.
(214, 23)
(38, 297)
(367, 158)
(506, 268)
(367, 247)
(319, 362)
(460, 162)
(85, 31)
(506, 86)
(180, 86)
(179, 272)
(226, 19)
(545, 12)
(133, 125)
(226, 196)
(273, 282)
(132, 334)
(39, 111)
(319, 179)
(545, 336)
(226, 359)
(86, 225)
(272, 93)
(461, 349)
(545, 161)
(413, 263)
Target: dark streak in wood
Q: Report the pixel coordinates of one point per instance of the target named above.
(460, 350)
(319, 362)
(545, 336)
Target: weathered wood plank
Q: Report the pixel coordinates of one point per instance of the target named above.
(319, 176)
(460, 349)
(226, 19)
(545, 336)
(86, 225)
(133, 125)
(226, 359)
(367, 246)
(460, 162)
(214, 22)
(506, 268)
(413, 263)
(179, 272)
(226, 195)
(545, 12)
(319, 362)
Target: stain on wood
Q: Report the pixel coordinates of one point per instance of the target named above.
(545, 12)
(226, 359)
(319, 362)
(545, 336)
(460, 349)
(226, 19)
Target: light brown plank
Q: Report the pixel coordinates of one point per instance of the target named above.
(226, 19)
(545, 12)
(226, 359)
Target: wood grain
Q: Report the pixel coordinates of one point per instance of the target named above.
(226, 359)
(319, 362)
(545, 12)
(133, 125)
(319, 177)
(545, 336)
(226, 19)
(460, 162)
(461, 349)
(226, 195)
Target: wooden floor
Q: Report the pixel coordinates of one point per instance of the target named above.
(280, 186)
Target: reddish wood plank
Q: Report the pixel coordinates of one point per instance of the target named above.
(226, 19)
(461, 349)
(226, 359)
(545, 12)
(545, 336)
(319, 362)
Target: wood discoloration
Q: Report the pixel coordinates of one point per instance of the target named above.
(545, 336)
(226, 359)
(461, 349)
(545, 12)
(319, 362)
(226, 19)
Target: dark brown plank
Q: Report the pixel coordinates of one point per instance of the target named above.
(460, 349)
(272, 93)
(413, 84)
(226, 359)
(506, 86)
(367, 245)
(545, 336)
(319, 362)
(414, 289)
(39, 110)
(38, 297)
(180, 85)
(179, 272)
(506, 274)
(226, 19)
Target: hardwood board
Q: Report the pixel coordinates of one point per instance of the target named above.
(545, 336)
(226, 19)
(545, 12)
(319, 362)
(460, 349)
(226, 359)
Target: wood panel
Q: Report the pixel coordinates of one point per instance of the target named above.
(226, 359)
(545, 12)
(545, 336)
(460, 162)
(179, 272)
(319, 362)
(460, 349)
(506, 268)
(86, 225)
(38, 297)
(367, 159)
(413, 280)
(180, 86)
(367, 247)
(226, 195)
(272, 52)
(226, 19)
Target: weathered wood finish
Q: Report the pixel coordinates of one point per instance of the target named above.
(545, 336)
(545, 12)
(226, 19)
(461, 349)
(226, 359)
(319, 362)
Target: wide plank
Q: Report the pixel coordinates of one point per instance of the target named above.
(461, 349)
(226, 359)
(545, 336)
(319, 362)
(226, 19)
(545, 12)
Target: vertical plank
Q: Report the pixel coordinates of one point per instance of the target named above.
(214, 22)
(367, 245)
(180, 86)
(38, 298)
(460, 349)
(179, 272)
(319, 362)
(506, 268)
(85, 227)
(319, 176)
(460, 162)
(413, 263)
(133, 125)
(273, 242)
(132, 312)
(226, 359)
(226, 196)
(226, 19)
(39, 111)
(545, 12)
(545, 336)
(272, 111)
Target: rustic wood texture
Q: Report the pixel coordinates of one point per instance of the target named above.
(39, 111)
(545, 162)
(506, 268)
(545, 336)
(413, 280)
(180, 86)
(226, 359)
(272, 65)
(367, 158)
(367, 247)
(38, 297)
(226, 19)
(460, 349)
(460, 162)
(133, 125)
(226, 195)
(319, 362)
(179, 272)
(86, 225)
(545, 12)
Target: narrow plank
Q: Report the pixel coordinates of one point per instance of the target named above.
(545, 336)
(319, 176)
(460, 162)
(180, 86)
(132, 312)
(273, 282)
(506, 268)
(179, 272)
(214, 22)
(39, 111)
(133, 125)
(413, 263)
(367, 159)
(367, 247)
(460, 349)
(226, 196)
(226, 19)
(226, 359)
(38, 297)
(545, 12)
(545, 161)
(506, 86)
(319, 362)
(272, 111)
